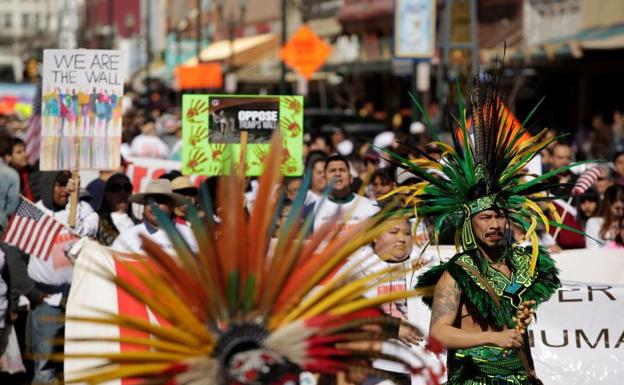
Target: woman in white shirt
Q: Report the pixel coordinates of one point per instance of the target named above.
(606, 227)
(115, 213)
(394, 247)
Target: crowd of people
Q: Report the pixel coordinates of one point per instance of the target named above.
(347, 174)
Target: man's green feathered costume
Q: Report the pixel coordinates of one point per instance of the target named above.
(484, 169)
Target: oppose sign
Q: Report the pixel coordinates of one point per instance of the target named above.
(212, 126)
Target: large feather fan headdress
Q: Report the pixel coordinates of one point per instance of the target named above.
(485, 167)
(245, 311)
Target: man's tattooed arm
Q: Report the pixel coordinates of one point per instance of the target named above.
(445, 301)
(445, 310)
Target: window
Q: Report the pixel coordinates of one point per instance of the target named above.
(25, 20)
(37, 21)
(8, 20)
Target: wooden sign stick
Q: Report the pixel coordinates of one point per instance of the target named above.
(243, 150)
(73, 200)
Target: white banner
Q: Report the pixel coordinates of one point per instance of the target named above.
(141, 170)
(578, 337)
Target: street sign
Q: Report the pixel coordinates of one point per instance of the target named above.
(305, 52)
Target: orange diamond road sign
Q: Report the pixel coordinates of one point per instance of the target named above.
(305, 52)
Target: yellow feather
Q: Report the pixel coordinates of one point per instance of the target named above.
(531, 229)
(365, 303)
(170, 333)
(554, 212)
(146, 342)
(124, 371)
(354, 288)
(534, 252)
(538, 210)
(124, 357)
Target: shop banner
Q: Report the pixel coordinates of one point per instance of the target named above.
(81, 106)
(414, 29)
(212, 127)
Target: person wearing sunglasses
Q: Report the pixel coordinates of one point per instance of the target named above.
(115, 213)
(158, 196)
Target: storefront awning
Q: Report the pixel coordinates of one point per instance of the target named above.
(596, 38)
(241, 50)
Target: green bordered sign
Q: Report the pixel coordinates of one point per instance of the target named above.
(212, 126)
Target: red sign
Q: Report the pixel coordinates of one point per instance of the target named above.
(305, 52)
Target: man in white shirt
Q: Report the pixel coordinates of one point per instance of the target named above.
(159, 193)
(341, 203)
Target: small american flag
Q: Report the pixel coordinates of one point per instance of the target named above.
(32, 230)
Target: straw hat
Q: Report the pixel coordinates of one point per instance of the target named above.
(182, 183)
(158, 187)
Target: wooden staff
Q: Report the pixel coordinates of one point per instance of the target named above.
(73, 199)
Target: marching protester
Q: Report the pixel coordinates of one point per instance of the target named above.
(182, 185)
(606, 227)
(341, 200)
(53, 273)
(394, 247)
(115, 212)
(10, 186)
(316, 165)
(29, 175)
(158, 193)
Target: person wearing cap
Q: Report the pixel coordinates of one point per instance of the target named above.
(182, 185)
(341, 200)
(159, 193)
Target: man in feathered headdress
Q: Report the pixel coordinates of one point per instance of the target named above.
(486, 294)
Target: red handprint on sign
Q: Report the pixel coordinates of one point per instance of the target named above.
(217, 152)
(198, 134)
(291, 127)
(197, 108)
(289, 165)
(293, 104)
(261, 153)
(196, 159)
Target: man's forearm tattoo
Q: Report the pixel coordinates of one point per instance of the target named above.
(445, 302)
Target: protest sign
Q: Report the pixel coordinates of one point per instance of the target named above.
(212, 127)
(81, 106)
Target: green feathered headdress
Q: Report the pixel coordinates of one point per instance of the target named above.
(484, 168)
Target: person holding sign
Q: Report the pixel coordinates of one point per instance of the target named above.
(485, 295)
(53, 273)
